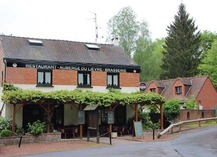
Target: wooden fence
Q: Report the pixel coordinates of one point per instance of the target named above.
(179, 124)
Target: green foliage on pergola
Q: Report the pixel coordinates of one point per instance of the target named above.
(20, 96)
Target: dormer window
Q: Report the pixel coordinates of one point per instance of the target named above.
(178, 90)
(153, 90)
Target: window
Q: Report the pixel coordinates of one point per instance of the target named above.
(84, 79)
(178, 90)
(92, 46)
(153, 90)
(35, 42)
(113, 80)
(44, 77)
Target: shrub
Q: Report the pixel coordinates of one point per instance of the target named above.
(191, 103)
(153, 109)
(146, 120)
(36, 128)
(171, 109)
(5, 123)
(6, 133)
(19, 131)
(9, 87)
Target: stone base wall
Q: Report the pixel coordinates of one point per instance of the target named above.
(26, 139)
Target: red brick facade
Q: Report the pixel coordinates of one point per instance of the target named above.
(98, 78)
(21, 75)
(207, 96)
(201, 88)
(129, 79)
(67, 77)
(64, 77)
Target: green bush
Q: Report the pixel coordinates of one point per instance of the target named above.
(6, 133)
(5, 123)
(36, 128)
(171, 109)
(19, 131)
(146, 120)
(9, 87)
(191, 103)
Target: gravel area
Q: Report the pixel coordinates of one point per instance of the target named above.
(37, 148)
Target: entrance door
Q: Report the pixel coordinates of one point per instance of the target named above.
(58, 117)
(120, 115)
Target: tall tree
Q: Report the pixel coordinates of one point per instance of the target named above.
(207, 38)
(182, 47)
(158, 48)
(148, 55)
(125, 27)
(209, 63)
(143, 52)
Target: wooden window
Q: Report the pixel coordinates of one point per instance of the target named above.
(153, 90)
(178, 90)
(44, 77)
(112, 80)
(84, 79)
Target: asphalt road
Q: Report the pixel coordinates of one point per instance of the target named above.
(201, 143)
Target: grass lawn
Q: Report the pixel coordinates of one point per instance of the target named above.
(203, 124)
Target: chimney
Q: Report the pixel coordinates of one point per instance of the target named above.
(115, 41)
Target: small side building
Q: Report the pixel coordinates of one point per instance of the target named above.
(200, 87)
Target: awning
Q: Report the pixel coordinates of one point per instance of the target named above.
(90, 107)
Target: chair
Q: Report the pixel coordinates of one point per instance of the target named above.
(74, 132)
(121, 131)
(63, 133)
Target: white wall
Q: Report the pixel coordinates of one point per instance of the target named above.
(70, 115)
(102, 89)
(19, 116)
(130, 112)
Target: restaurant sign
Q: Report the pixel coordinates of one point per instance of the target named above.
(78, 68)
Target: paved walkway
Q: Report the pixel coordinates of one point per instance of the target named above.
(36, 148)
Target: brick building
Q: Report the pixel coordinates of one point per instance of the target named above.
(182, 89)
(49, 65)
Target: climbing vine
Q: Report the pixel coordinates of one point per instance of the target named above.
(20, 96)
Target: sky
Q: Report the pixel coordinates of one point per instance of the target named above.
(74, 19)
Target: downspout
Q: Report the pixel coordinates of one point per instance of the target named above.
(5, 67)
(3, 81)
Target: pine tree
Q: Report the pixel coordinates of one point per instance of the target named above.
(182, 47)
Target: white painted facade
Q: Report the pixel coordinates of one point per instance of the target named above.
(70, 111)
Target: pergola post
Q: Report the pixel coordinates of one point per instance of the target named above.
(136, 112)
(161, 117)
(110, 125)
(81, 126)
(13, 118)
(48, 118)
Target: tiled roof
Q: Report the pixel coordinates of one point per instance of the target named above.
(63, 51)
(195, 83)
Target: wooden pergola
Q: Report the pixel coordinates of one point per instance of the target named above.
(68, 98)
(49, 108)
